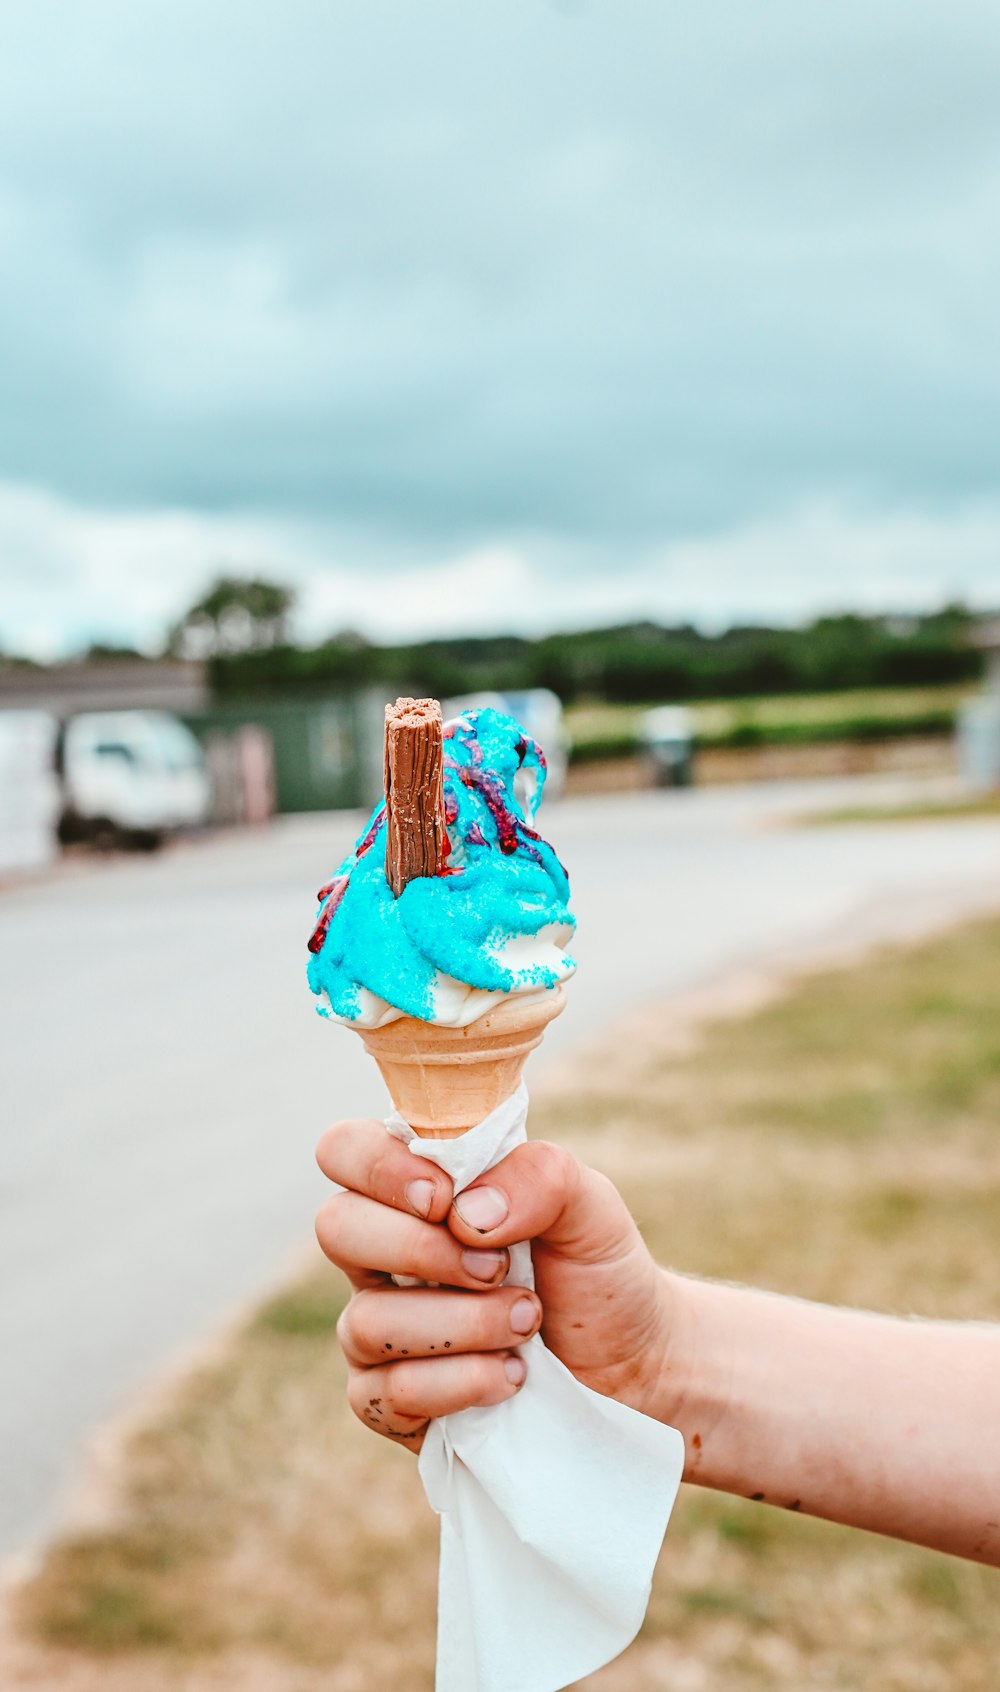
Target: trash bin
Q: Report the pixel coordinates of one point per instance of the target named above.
(668, 738)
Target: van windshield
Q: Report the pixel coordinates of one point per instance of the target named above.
(172, 745)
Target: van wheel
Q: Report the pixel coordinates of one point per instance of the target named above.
(104, 835)
(70, 829)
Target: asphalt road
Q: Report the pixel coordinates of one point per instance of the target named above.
(163, 1078)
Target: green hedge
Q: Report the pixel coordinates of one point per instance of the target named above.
(637, 664)
(620, 743)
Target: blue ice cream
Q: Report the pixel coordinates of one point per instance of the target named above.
(494, 922)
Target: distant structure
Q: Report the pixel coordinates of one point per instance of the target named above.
(265, 753)
(979, 721)
(986, 636)
(120, 684)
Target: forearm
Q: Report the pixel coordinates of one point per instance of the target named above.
(876, 1422)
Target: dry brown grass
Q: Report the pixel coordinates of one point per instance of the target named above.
(841, 1144)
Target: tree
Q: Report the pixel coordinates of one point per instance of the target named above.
(101, 650)
(237, 614)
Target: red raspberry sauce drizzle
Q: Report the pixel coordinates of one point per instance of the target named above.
(333, 892)
(508, 826)
(368, 842)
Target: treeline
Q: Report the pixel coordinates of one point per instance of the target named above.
(633, 663)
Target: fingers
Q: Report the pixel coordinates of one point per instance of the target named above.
(360, 1155)
(399, 1399)
(370, 1242)
(541, 1192)
(381, 1326)
(416, 1354)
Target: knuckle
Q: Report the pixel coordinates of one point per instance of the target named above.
(357, 1394)
(329, 1142)
(602, 1184)
(326, 1144)
(354, 1329)
(553, 1166)
(345, 1328)
(328, 1219)
(340, 1139)
(369, 1398)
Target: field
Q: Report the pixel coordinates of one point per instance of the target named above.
(602, 730)
(840, 1144)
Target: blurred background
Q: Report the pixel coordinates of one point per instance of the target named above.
(632, 369)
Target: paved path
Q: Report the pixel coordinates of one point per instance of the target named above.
(163, 1079)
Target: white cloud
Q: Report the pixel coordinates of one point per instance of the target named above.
(825, 557)
(73, 574)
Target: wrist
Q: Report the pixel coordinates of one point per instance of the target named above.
(695, 1383)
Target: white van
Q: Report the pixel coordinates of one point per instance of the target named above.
(131, 777)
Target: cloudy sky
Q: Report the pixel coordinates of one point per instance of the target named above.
(516, 314)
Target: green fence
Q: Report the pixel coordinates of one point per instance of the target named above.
(327, 752)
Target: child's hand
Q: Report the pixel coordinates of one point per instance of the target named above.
(417, 1353)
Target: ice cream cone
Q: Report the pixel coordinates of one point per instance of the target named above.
(445, 1080)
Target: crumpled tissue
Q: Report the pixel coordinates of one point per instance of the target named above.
(553, 1504)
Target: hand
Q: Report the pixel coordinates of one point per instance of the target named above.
(833, 1412)
(601, 1304)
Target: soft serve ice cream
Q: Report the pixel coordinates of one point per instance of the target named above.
(492, 924)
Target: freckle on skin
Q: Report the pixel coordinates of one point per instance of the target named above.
(696, 1441)
(578, 1324)
(758, 1497)
(796, 1504)
(447, 1343)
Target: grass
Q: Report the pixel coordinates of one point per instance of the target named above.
(601, 729)
(840, 1144)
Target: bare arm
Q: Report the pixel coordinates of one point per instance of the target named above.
(873, 1421)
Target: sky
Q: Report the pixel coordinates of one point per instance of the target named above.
(520, 315)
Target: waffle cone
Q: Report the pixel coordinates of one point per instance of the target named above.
(445, 1080)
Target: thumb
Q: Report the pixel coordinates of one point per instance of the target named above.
(541, 1192)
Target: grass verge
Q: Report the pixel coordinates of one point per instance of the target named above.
(979, 805)
(841, 1145)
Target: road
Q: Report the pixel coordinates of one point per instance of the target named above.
(164, 1079)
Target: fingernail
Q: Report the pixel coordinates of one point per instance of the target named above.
(482, 1207)
(420, 1196)
(514, 1369)
(483, 1265)
(523, 1316)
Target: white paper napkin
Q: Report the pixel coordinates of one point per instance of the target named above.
(553, 1504)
